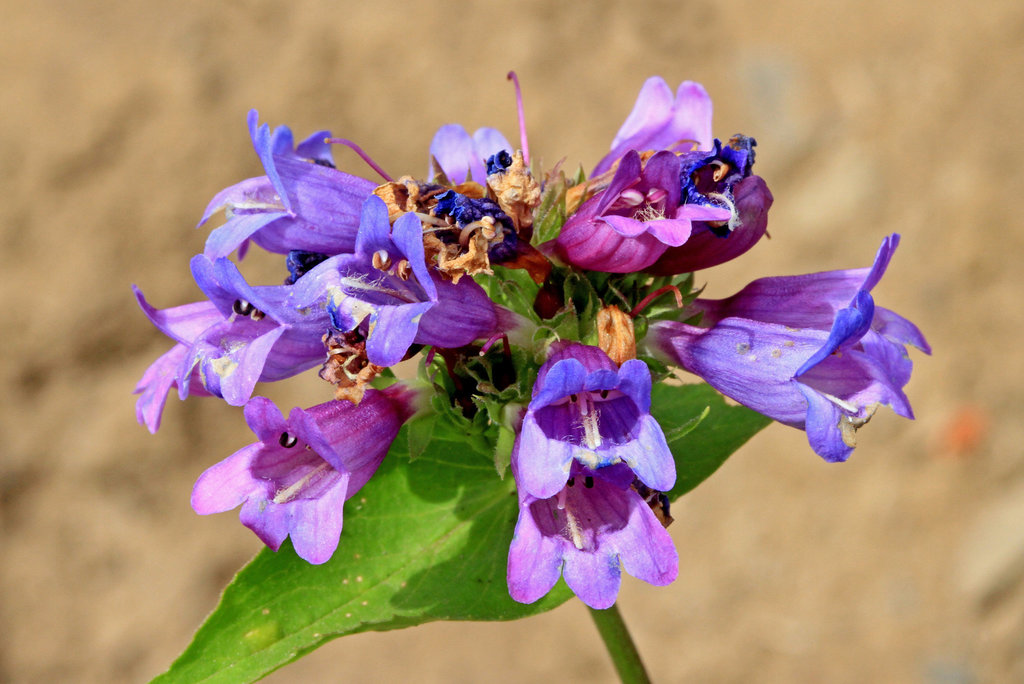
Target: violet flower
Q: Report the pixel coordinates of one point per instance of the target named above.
(595, 526)
(663, 121)
(302, 203)
(388, 291)
(631, 223)
(587, 410)
(296, 478)
(461, 156)
(810, 351)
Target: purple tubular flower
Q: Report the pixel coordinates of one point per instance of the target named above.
(630, 224)
(296, 478)
(387, 287)
(661, 121)
(302, 202)
(584, 409)
(592, 526)
(244, 334)
(810, 351)
(706, 247)
(461, 156)
(264, 335)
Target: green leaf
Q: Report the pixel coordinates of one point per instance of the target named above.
(424, 540)
(700, 448)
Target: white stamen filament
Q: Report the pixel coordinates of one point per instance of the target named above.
(630, 197)
(572, 526)
(286, 494)
(845, 405)
(734, 219)
(589, 415)
(655, 195)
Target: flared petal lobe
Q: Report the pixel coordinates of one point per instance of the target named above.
(707, 247)
(387, 290)
(302, 203)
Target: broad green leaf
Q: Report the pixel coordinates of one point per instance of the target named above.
(700, 451)
(424, 540)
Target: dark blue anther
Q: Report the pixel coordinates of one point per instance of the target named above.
(665, 505)
(300, 262)
(691, 163)
(506, 250)
(739, 153)
(497, 163)
(465, 210)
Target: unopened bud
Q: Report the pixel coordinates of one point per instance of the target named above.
(615, 334)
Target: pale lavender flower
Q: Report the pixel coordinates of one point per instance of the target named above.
(663, 121)
(461, 156)
(386, 289)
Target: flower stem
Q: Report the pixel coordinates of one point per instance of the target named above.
(620, 645)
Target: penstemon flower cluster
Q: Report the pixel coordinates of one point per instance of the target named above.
(542, 301)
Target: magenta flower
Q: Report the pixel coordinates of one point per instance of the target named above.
(663, 121)
(296, 478)
(302, 203)
(586, 410)
(630, 224)
(595, 526)
(809, 351)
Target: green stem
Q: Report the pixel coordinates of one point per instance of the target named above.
(620, 646)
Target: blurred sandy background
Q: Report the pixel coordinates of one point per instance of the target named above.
(121, 120)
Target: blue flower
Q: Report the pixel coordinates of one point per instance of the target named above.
(586, 410)
(386, 289)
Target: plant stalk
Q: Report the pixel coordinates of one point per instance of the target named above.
(620, 645)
